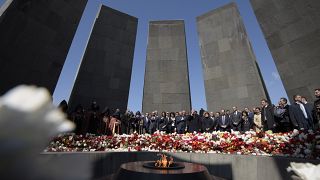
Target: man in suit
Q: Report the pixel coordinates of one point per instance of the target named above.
(146, 121)
(250, 113)
(300, 115)
(267, 116)
(223, 122)
(181, 122)
(282, 116)
(308, 105)
(236, 119)
(153, 124)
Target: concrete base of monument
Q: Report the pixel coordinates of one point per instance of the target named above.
(100, 165)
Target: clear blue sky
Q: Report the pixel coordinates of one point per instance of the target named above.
(187, 10)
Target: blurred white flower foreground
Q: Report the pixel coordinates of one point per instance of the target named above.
(305, 171)
(28, 120)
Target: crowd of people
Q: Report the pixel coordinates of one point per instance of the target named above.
(282, 117)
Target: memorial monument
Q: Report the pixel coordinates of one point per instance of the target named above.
(166, 81)
(292, 31)
(231, 73)
(105, 71)
(35, 39)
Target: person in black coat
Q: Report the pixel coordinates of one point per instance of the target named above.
(153, 125)
(181, 122)
(171, 123)
(194, 122)
(146, 121)
(282, 116)
(300, 115)
(163, 122)
(246, 122)
(214, 118)
(223, 122)
(125, 119)
(207, 123)
(309, 106)
(79, 118)
(94, 118)
(267, 116)
(236, 119)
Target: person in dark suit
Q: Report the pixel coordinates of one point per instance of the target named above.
(94, 118)
(171, 123)
(153, 123)
(267, 116)
(282, 116)
(309, 106)
(223, 122)
(235, 119)
(79, 118)
(125, 120)
(146, 121)
(163, 122)
(250, 113)
(207, 123)
(214, 117)
(228, 113)
(246, 122)
(194, 122)
(300, 115)
(181, 122)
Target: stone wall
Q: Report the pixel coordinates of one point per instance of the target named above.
(105, 71)
(230, 70)
(35, 40)
(166, 82)
(292, 31)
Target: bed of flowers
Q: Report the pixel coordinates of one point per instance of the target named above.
(294, 144)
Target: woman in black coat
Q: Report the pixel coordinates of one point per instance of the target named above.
(194, 123)
(163, 122)
(246, 122)
(207, 123)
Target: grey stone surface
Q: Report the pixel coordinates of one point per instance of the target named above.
(231, 73)
(237, 167)
(105, 71)
(35, 37)
(292, 31)
(166, 82)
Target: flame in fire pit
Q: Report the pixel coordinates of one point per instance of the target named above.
(163, 162)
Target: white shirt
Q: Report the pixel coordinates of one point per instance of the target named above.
(303, 110)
